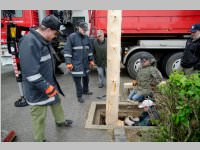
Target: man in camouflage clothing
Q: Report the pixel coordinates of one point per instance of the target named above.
(148, 76)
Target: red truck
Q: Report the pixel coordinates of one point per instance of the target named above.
(23, 18)
(161, 33)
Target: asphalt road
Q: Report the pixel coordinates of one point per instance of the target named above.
(19, 119)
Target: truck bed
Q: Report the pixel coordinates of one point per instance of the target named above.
(149, 21)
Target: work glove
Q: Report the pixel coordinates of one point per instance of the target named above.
(91, 64)
(69, 67)
(51, 91)
(134, 82)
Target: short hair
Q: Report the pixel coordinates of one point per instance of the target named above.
(42, 27)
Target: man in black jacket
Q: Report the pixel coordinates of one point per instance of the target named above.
(38, 74)
(191, 57)
(79, 59)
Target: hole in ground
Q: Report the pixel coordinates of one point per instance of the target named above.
(124, 111)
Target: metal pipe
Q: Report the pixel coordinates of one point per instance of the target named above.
(20, 89)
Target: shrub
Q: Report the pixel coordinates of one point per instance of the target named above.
(180, 114)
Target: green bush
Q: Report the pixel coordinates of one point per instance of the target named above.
(180, 108)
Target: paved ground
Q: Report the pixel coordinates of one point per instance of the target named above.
(13, 118)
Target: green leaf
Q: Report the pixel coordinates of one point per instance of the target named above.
(177, 120)
(179, 107)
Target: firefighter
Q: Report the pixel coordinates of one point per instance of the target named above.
(190, 61)
(40, 85)
(147, 78)
(100, 51)
(79, 58)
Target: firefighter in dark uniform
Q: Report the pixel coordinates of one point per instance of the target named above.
(39, 82)
(79, 59)
(190, 61)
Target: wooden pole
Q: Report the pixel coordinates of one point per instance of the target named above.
(113, 65)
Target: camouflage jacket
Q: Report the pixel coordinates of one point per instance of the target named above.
(147, 77)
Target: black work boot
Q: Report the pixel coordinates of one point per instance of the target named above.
(21, 102)
(80, 99)
(88, 93)
(100, 85)
(67, 123)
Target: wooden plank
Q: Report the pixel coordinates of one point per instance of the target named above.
(128, 85)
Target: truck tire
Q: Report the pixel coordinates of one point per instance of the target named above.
(172, 62)
(134, 63)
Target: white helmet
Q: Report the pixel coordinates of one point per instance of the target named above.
(146, 103)
(128, 121)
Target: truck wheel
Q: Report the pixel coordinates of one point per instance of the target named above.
(133, 63)
(172, 62)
